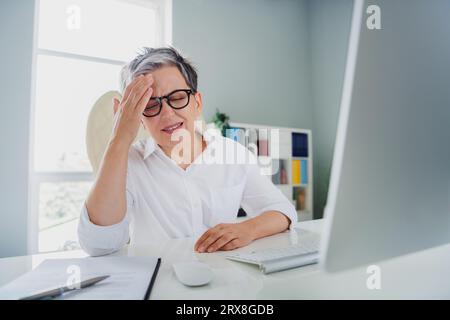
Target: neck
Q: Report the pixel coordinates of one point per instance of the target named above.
(184, 153)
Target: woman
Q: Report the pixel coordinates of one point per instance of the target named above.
(176, 183)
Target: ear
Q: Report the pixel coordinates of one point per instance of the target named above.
(115, 105)
(199, 103)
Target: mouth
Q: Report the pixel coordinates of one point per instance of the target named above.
(170, 129)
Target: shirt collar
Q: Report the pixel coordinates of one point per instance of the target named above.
(150, 147)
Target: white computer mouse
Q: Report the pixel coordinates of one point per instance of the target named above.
(193, 273)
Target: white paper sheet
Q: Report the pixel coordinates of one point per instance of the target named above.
(129, 278)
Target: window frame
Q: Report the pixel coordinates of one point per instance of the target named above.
(36, 178)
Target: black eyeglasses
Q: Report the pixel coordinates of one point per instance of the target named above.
(177, 99)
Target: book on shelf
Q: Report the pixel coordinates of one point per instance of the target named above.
(299, 196)
(280, 172)
(255, 140)
(299, 144)
(236, 134)
(263, 142)
(251, 140)
(299, 171)
(296, 172)
(288, 152)
(304, 171)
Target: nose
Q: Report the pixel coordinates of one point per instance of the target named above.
(166, 110)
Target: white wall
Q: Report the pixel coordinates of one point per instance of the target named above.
(16, 38)
(252, 57)
(292, 51)
(329, 27)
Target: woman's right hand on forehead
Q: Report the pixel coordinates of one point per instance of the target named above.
(128, 111)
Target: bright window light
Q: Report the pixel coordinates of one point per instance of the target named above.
(82, 45)
(109, 29)
(66, 91)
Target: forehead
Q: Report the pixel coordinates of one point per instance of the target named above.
(167, 79)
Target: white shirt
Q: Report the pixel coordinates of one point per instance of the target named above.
(166, 201)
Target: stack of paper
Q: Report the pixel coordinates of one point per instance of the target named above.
(129, 278)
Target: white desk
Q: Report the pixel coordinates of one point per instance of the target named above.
(419, 275)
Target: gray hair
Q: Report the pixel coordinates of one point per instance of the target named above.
(154, 58)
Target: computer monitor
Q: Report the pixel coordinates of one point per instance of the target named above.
(389, 191)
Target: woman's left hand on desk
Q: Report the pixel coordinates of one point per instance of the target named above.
(224, 236)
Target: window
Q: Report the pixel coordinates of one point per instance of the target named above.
(81, 47)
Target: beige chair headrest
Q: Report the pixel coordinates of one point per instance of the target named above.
(100, 126)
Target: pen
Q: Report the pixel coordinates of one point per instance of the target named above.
(59, 291)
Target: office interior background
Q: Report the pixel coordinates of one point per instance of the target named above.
(269, 62)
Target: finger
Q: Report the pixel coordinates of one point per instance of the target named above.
(115, 105)
(117, 112)
(233, 244)
(211, 239)
(138, 91)
(217, 227)
(207, 234)
(130, 87)
(219, 243)
(144, 100)
(202, 238)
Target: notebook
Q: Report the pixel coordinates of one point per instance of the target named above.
(131, 278)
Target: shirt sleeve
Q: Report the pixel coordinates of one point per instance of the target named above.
(98, 240)
(261, 195)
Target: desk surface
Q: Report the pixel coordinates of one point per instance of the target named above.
(420, 275)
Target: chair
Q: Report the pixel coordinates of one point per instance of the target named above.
(100, 126)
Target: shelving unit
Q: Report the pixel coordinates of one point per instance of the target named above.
(289, 152)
